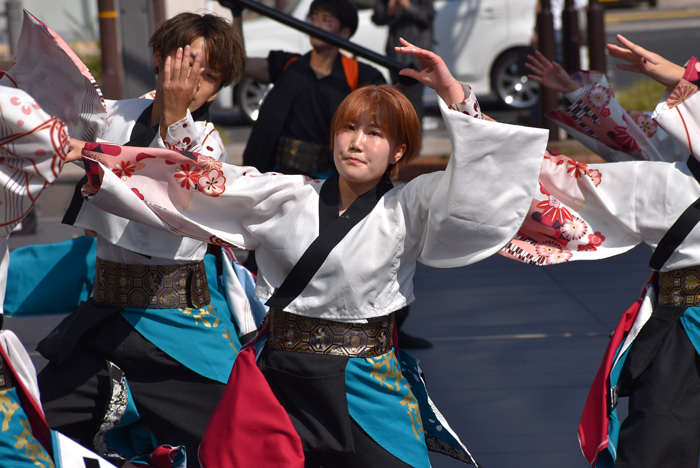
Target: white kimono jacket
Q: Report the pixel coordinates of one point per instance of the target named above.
(444, 219)
(587, 212)
(119, 238)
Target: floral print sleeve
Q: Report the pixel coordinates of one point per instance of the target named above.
(679, 114)
(597, 120)
(469, 106)
(194, 137)
(579, 212)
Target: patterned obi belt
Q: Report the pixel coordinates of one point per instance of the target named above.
(151, 286)
(680, 287)
(302, 157)
(291, 332)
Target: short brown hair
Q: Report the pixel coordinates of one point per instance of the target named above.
(391, 110)
(224, 47)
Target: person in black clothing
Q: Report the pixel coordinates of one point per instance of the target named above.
(291, 133)
(411, 20)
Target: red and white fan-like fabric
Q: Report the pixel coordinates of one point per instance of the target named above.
(49, 71)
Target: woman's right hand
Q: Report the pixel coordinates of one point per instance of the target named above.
(647, 63)
(550, 74)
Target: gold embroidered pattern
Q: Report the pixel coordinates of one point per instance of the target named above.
(680, 287)
(386, 370)
(151, 286)
(291, 332)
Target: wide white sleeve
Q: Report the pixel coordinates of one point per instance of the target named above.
(33, 147)
(195, 137)
(473, 208)
(679, 116)
(203, 199)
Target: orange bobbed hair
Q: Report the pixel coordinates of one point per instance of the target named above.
(391, 111)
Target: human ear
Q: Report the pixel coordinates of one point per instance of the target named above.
(213, 96)
(398, 154)
(157, 59)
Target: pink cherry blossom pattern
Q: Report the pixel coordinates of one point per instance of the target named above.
(646, 124)
(548, 248)
(560, 257)
(587, 248)
(595, 176)
(212, 183)
(553, 210)
(605, 112)
(187, 176)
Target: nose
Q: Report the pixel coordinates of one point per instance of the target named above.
(358, 139)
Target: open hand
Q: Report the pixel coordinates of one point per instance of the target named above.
(433, 73)
(647, 63)
(550, 74)
(179, 86)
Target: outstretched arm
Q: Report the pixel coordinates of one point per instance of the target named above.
(550, 74)
(647, 63)
(433, 73)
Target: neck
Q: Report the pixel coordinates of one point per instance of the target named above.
(322, 60)
(351, 191)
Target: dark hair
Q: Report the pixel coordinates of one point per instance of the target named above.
(345, 11)
(224, 47)
(391, 110)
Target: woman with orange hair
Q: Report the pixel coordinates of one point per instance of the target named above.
(321, 384)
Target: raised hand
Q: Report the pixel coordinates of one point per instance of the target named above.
(179, 86)
(433, 73)
(647, 63)
(550, 74)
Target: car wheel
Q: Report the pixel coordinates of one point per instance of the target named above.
(250, 95)
(510, 83)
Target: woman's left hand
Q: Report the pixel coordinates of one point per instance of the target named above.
(433, 73)
(76, 150)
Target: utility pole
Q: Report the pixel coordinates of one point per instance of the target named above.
(571, 37)
(158, 8)
(109, 47)
(596, 36)
(547, 47)
(13, 12)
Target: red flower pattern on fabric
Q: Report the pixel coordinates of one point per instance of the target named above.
(645, 123)
(124, 169)
(138, 194)
(553, 210)
(596, 239)
(605, 112)
(187, 176)
(576, 169)
(587, 248)
(212, 183)
(574, 229)
(626, 140)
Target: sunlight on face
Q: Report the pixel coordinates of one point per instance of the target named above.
(362, 151)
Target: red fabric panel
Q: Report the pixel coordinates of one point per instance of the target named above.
(593, 428)
(32, 408)
(250, 428)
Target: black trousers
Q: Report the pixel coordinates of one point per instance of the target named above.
(175, 402)
(662, 375)
(311, 388)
